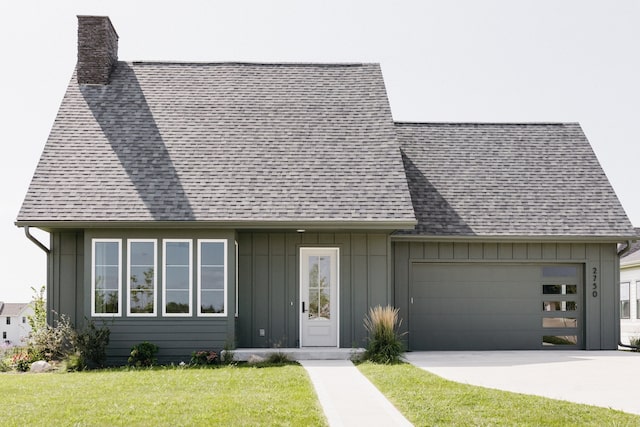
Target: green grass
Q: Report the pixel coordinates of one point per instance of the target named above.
(242, 396)
(428, 400)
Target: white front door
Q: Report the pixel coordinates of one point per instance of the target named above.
(319, 297)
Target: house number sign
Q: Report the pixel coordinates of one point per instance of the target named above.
(595, 282)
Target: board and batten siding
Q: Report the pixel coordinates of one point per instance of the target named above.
(601, 311)
(269, 287)
(69, 292)
(65, 276)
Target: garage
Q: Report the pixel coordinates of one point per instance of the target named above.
(501, 306)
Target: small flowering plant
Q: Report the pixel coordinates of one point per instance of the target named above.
(204, 357)
(21, 361)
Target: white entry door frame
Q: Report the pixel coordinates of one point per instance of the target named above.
(319, 297)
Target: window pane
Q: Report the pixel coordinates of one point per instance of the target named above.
(212, 278)
(141, 301)
(559, 322)
(559, 306)
(560, 340)
(177, 253)
(106, 301)
(106, 277)
(142, 253)
(177, 277)
(106, 253)
(212, 253)
(212, 302)
(560, 289)
(625, 299)
(177, 302)
(141, 277)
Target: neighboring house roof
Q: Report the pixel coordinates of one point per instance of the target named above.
(632, 257)
(9, 309)
(223, 143)
(472, 179)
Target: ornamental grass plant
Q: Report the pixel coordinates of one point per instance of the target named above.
(385, 345)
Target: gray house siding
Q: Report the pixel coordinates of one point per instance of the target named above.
(176, 337)
(601, 272)
(65, 275)
(269, 284)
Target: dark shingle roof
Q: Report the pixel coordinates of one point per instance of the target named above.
(223, 142)
(508, 180)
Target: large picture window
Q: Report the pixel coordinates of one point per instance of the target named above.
(106, 276)
(141, 277)
(177, 282)
(212, 277)
(625, 310)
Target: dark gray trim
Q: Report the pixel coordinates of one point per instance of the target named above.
(254, 225)
(36, 241)
(514, 238)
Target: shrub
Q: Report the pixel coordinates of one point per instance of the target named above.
(91, 345)
(21, 361)
(635, 341)
(384, 344)
(278, 358)
(204, 357)
(143, 354)
(52, 342)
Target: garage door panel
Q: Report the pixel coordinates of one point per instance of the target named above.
(477, 306)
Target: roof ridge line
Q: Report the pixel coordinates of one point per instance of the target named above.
(402, 122)
(253, 63)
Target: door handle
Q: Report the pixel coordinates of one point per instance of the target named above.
(303, 309)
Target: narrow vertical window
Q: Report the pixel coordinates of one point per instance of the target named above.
(177, 277)
(212, 277)
(8, 320)
(106, 277)
(141, 277)
(638, 299)
(624, 300)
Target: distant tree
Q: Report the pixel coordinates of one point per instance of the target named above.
(38, 320)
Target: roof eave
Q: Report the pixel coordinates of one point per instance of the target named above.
(516, 238)
(403, 224)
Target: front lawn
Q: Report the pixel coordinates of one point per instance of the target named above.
(162, 397)
(426, 400)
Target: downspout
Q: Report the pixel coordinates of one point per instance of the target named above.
(621, 253)
(34, 240)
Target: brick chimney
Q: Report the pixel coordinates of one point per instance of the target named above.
(97, 49)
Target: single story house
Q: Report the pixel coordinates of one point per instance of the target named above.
(272, 204)
(630, 292)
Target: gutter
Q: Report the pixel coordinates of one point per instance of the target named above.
(34, 240)
(626, 249)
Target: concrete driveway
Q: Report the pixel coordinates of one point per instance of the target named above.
(602, 378)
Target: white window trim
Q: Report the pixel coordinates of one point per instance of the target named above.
(628, 301)
(164, 277)
(93, 277)
(199, 290)
(155, 277)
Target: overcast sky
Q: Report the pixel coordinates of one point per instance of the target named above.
(465, 60)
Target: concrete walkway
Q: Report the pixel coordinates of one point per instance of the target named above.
(601, 378)
(348, 398)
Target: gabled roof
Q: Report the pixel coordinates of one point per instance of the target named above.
(10, 309)
(223, 143)
(524, 180)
